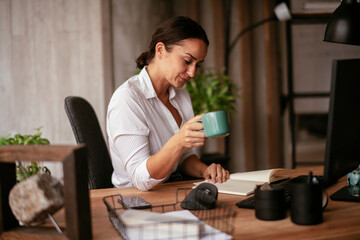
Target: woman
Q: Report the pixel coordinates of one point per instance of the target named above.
(150, 121)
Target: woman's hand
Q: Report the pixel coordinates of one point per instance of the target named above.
(194, 167)
(216, 172)
(190, 135)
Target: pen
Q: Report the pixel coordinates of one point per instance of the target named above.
(310, 177)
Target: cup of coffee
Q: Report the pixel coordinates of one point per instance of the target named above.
(216, 124)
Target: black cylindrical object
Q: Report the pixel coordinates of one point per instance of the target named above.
(270, 203)
(306, 203)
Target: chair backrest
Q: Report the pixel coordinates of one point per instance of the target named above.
(87, 130)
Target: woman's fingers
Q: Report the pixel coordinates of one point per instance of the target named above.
(195, 119)
(195, 123)
(217, 173)
(191, 133)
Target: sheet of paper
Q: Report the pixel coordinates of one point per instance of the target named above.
(141, 224)
(135, 217)
(208, 232)
(177, 225)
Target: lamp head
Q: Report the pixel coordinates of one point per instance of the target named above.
(282, 12)
(344, 24)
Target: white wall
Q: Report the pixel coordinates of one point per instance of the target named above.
(133, 23)
(50, 50)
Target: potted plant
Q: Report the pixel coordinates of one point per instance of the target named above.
(212, 90)
(28, 168)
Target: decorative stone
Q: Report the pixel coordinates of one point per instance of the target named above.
(32, 199)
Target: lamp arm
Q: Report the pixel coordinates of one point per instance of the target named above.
(245, 30)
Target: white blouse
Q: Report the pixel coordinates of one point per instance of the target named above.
(138, 126)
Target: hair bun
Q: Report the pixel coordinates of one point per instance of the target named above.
(142, 60)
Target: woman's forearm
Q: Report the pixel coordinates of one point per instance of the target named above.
(193, 166)
(189, 136)
(160, 164)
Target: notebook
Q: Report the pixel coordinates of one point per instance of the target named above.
(244, 183)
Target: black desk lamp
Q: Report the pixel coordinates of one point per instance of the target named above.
(344, 24)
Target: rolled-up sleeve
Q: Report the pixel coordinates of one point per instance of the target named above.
(134, 152)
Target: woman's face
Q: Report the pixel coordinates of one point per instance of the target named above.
(181, 62)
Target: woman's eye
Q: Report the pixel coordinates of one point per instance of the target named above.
(187, 62)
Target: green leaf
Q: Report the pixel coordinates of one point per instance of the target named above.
(19, 139)
(34, 167)
(212, 90)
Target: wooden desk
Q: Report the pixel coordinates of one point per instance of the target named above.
(341, 219)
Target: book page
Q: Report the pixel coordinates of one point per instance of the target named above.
(236, 187)
(260, 175)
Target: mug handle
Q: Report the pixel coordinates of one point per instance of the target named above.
(200, 120)
(325, 199)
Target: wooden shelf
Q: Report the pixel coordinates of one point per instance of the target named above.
(76, 193)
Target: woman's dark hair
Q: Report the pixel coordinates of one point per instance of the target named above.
(171, 32)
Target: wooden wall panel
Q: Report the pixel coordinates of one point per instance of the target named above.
(248, 114)
(218, 43)
(273, 89)
(219, 32)
(193, 9)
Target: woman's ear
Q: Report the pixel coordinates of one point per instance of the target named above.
(160, 49)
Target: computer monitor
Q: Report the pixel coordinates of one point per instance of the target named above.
(342, 153)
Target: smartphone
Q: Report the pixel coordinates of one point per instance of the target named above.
(134, 203)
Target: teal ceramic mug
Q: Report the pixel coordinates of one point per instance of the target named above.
(216, 124)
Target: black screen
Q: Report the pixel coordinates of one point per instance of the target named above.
(342, 154)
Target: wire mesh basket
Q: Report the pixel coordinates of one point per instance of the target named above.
(217, 223)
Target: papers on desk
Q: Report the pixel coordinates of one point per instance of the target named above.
(207, 232)
(140, 224)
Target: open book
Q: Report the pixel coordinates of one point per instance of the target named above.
(244, 183)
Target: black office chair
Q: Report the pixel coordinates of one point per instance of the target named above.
(86, 128)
